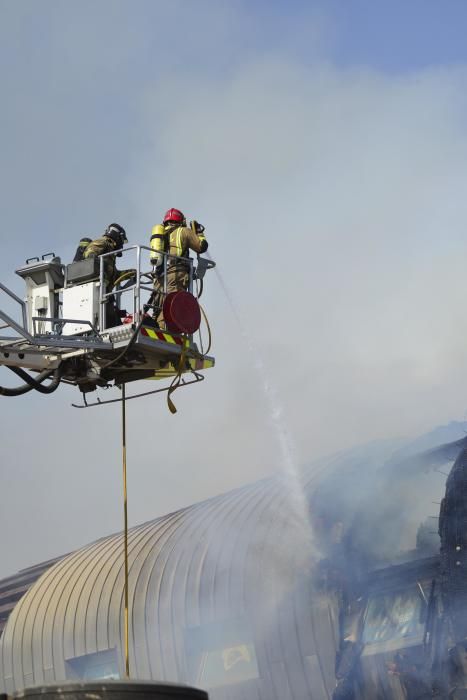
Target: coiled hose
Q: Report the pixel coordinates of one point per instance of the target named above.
(33, 382)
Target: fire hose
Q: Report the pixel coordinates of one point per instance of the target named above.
(33, 382)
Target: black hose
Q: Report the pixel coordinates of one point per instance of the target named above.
(200, 288)
(17, 391)
(33, 382)
(36, 382)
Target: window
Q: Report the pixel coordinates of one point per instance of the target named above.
(394, 615)
(221, 653)
(227, 665)
(101, 665)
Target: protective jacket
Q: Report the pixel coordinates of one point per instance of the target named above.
(175, 240)
(82, 245)
(102, 245)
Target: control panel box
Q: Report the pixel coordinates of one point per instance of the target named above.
(81, 303)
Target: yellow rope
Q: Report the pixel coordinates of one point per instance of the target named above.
(178, 377)
(125, 535)
(209, 329)
(181, 365)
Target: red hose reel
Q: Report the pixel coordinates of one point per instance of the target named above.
(181, 312)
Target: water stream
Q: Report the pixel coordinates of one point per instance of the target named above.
(288, 462)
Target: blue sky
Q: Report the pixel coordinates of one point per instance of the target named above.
(75, 76)
(324, 146)
(398, 36)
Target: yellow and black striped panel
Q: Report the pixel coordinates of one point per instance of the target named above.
(157, 334)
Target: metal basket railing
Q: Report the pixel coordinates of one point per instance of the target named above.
(145, 275)
(10, 322)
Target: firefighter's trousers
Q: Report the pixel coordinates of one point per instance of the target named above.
(177, 280)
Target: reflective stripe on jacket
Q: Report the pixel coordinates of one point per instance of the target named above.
(182, 239)
(175, 240)
(82, 245)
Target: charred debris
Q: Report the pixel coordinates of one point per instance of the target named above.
(402, 609)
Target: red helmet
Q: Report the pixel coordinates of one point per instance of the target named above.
(175, 216)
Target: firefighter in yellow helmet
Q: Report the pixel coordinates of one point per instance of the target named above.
(174, 238)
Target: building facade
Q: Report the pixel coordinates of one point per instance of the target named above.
(220, 597)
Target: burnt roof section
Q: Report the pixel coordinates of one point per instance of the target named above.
(399, 575)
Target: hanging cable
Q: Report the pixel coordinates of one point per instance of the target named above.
(125, 534)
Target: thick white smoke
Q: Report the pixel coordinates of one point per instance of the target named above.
(334, 205)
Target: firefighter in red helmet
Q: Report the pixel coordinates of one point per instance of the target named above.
(174, 238)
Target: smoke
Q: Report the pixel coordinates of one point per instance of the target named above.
(380, 502)
(334, 206)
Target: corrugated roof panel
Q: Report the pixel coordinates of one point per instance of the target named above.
(224, 574)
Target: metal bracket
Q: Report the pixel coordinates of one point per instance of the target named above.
(199, 378)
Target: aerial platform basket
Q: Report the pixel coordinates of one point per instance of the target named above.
(62, 331)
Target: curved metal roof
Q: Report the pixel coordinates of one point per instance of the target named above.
(14, 587)
(235, 561)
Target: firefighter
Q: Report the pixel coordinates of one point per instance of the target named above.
(112, 241)
(174, 238)
(82, 245)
